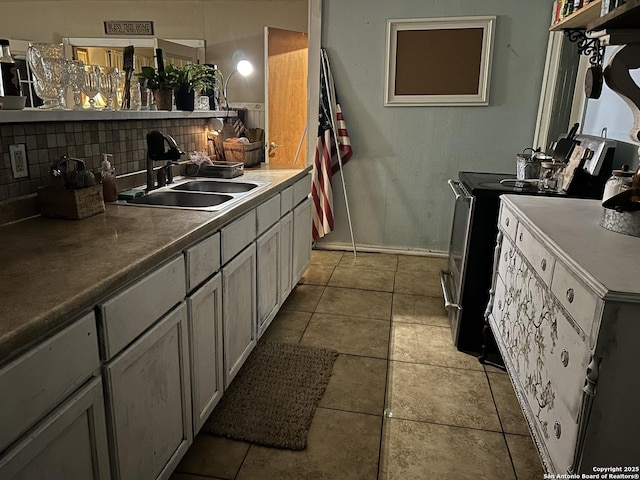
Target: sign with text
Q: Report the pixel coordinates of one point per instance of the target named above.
(128, 27)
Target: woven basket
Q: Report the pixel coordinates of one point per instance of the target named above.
(248, 153)
(71, 204)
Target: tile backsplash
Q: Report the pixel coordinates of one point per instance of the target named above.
(88, 140)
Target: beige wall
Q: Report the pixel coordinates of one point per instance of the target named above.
(226, 26)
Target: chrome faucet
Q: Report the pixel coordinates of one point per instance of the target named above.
(156, 153)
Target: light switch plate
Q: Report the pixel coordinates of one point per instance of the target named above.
(19, 165)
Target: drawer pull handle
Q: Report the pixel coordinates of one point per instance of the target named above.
(543, 264)
(564, 357)
(521, 236)
(570, 294)
(506, 221)
(557, 428)
(499, 304)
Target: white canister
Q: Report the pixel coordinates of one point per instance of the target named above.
(619, 181)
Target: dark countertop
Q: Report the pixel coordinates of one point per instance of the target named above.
(53, 270)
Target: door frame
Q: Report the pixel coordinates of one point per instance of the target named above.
(547, 94)
(314, 35)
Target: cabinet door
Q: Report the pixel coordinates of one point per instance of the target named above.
(268, 276)
(70, 443)
(205, 338)
(286, 243)
(149, 401)
(239, 311)
(301, 240)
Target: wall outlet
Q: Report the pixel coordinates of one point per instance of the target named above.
(19, 165)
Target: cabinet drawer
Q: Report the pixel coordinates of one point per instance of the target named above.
(537, 255)
(567, 362)
(301, 189)
(203, 260)
(508, 222)
(131, 312)
(237, 235)
(582, 304)
(268, 214)
(35, 383)
(286, 200)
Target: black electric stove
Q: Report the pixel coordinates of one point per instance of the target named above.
(467, 281)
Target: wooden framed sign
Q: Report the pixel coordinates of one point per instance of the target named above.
(439, 61)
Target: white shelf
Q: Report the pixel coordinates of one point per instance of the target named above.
(29, 115)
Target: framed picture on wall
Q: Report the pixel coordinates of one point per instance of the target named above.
(439, 61)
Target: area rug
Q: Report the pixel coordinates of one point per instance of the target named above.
(274, 397)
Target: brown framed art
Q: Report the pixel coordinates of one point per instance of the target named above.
(439, 61)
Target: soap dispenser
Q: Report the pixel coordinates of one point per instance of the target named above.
(109, 189)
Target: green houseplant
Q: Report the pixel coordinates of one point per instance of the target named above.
(160, 84)
(187, 79)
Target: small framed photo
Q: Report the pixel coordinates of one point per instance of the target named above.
(439, 61)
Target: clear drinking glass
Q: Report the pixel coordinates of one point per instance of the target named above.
(109, 78)
(74, 79)
(46, 63)
(91, 84)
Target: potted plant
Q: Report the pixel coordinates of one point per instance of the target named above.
(187, 79)
(160, 85)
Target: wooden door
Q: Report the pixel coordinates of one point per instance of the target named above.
(286, 65)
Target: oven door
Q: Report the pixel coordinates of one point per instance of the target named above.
(452, 279)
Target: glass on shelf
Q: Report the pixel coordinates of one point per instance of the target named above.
(73, 78)
(91, 84)
(109, 78)
(47, 64)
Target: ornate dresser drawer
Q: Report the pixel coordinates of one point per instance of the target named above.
(582, 304)
(508, 222)
(535, 253)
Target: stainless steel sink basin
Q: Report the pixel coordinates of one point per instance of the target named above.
(215, 186)
(181, 199)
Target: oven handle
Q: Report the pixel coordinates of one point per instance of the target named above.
(456, 191)
(448, 304)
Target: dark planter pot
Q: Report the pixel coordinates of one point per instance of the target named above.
(163, 98)
(185, 99)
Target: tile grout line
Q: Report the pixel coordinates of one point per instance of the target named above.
(438, 365)
(504, 434)
(386, 380)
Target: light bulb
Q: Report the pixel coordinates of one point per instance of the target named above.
(244, 67)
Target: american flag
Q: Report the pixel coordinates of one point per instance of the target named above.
(326, 159)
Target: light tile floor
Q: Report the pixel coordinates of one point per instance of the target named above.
(402, 403)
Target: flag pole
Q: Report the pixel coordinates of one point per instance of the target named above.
(327, 75)
(304, 132)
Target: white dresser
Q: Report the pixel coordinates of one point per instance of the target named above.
(565, 312)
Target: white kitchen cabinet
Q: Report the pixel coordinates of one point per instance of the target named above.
(149, 401)
(239, 311)
(268, 276)
(131, 311)
(205, 340)
(564, 310)
(39, 380)
(286, 254)
(237, 235)
(69, 443)
(301, 258)
(202, 260)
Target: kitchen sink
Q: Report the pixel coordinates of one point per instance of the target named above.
(215, 186)
(181, 199)
(199, 194)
